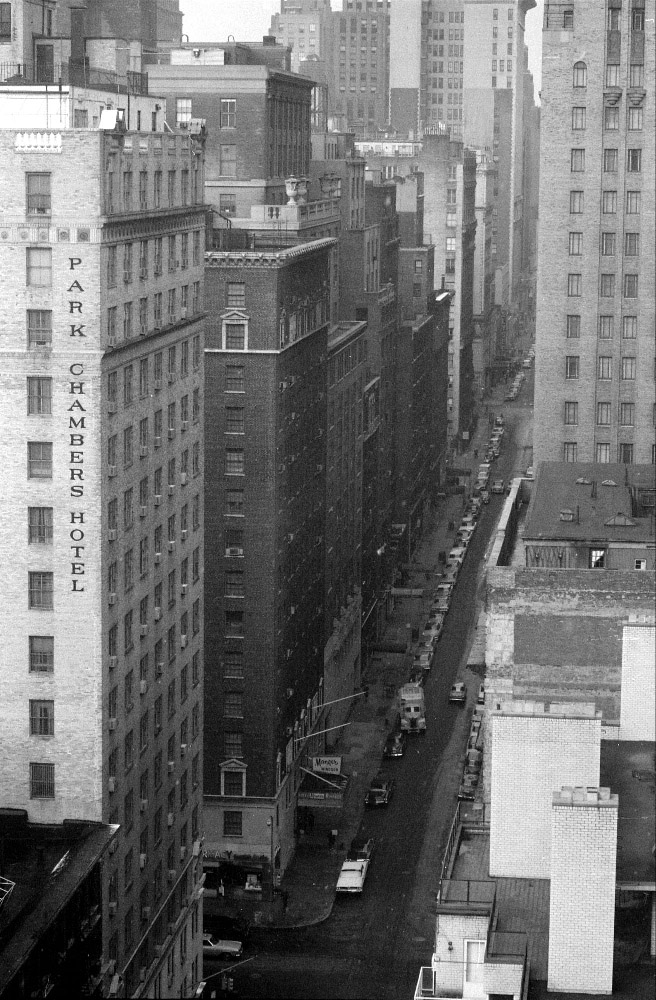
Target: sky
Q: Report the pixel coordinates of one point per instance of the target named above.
(248, 20)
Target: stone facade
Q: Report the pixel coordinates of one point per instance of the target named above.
(638, 711)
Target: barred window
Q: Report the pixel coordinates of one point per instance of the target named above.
(233, 705)
(234, 462)
(38, 194)
(39, 327)
(41, 590)
(42, 781)
(42, 718)
(232, 824)
(40, 525)
(42, 653)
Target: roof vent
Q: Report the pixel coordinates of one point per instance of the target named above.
(566, 514)
(620, 520)
(582, 481)
(608, 482)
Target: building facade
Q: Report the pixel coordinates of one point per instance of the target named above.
(596, 248)
(101, 667)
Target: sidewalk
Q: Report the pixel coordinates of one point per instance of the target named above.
(310, 879)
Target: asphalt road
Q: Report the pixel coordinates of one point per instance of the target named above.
(373, 946)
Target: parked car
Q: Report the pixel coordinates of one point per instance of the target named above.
(221, 948)
(480, 698)
(435, 621)
(527, 362)
(380, 792)
(468, 786)
(498, 486)
(464, 535)
(530, 472)
(227, 928)
(458, 693)
(456, 555)
(431, 634)
(394, 745)
(361, 849)
(423, 661)
(354, 870)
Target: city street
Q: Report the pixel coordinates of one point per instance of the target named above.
(374, 945)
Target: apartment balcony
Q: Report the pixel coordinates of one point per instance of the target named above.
(291, 216)
(501, 968)
(72, 74)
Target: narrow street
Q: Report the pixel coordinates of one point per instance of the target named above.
(374, 945)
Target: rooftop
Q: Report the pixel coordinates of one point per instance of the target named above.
(585, 501)
(265, 258)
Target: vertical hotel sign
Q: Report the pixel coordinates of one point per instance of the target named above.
(77, 415)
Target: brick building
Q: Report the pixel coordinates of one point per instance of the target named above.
(266, 411)
(101, 669)
(596, 249)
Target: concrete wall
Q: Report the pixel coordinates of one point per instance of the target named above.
(535, 749)
(582, 898)
(638, 711)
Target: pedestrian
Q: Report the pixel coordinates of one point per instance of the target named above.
(310, 821)
(475, 452)
(285, 899)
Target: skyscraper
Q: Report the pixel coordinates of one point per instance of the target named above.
(594, 396)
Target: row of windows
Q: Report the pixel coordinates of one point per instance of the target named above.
(603, 456)
(627, 371)
(177, 363)
(129, 445)
(608, 244)
(635, 118)
(149, 190)
(633, 158)
(129, 688)
(177, 247)
(603, 414)
(128, 516)
(130, 567)
(129, 631)
(605, 327)
(608, 199)
(606, 285)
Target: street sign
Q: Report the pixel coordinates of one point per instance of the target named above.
(327, 765)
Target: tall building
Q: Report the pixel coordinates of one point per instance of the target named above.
(594, 396)
(307, 27)
(100, 626)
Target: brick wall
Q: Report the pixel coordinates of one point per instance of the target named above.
(535, 749)
(582, 898)
(638, 711)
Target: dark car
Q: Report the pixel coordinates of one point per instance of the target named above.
(230, 928)
(380, 792)
(395, 745)
(361, 850)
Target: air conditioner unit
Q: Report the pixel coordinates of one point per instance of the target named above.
(183, 749)
(184, 425)
(171, 377)
(127, 277)
(143, 686)
(183, 534)
(183, 478)
(183, 641)
(157, 614)
(157, 384)
(115, 985)
(143, 450)
(143, 630)
(143, 273)
(232, 551)
(110, 968)
(183, 853)
(171, 433)
(111, 471)
(112, 724)
(111, 598)
(157, 499)
(111, 534)
(171, 489)
(196, 848)
(157, 441)
(113, 845)
(172, 872)
(171, 927)
(143, 858)
(171, 769)
(159, 670)
(143, 331)
(112, 908)
(112, 406)
(143, 805)
(143, 510)
(157, 558)
(145, 915)
(113, 662)
(171, 546)
(159, 950)
(111, 784)
(183, 313)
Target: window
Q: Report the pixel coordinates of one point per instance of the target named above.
(39, 395)
(39, 327)
(572, 366)
(127, 320)
(609, 202)
(5, 22)
(228, 161)
(634, 161)
(612, 75)
(39, 525)
(228, 204)
(632, 244)
(234, 335)
(613, 18)
(636, 75)
(41, 586)
(234, 378)
(236, 295)
(571, 413)
(182, 112)
(233, 745)
(234, 583)
(127, 190)
(38, 194)
(627, 414)
(608, 244)
(573, 327)
(577, 160)
(628, 368)
(630, 286)
(234, 783)
(602, 452)
(635, 119)
(610, 161)
(234, 462)
(632, 202)
(232, 824)
(611, 119)
(603, 414)
(629, 327)
(569, 451)
(42, 781)
(234, 622)
(228, 113)
(42, 654)
(598, 556)
(42, 718)
(234, 420)
(39, 267)
(574, 284)
(604, 368)
(580, 75)
(605, 328)
(638, 19)
(576, 202)
(578, 118)
(128, 450)
(575, 244)
(626, 454)
(607, 285)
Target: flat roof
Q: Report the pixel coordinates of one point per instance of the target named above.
(599, 498)
(629, 769)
